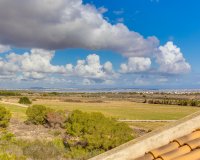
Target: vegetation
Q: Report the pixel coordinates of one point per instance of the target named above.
(93, 133)
(87, 134)
(9, 93)
(179, 102)
(37, 114)
(40, 150)
(14, 149)
(131, 110)
(5, 116)
(24, 100)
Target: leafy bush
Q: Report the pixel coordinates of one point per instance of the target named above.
(93, 132)
(39, 114)
(24, 100)
(36, 114)
(5, 116)
(6, 136)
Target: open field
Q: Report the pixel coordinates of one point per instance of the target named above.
(123, 106)
(116, 109)
(125, 109)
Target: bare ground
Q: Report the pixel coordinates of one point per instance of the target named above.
(33, 132)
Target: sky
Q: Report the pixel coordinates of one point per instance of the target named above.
(99, 43)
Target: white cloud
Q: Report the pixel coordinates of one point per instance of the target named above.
(4, 48)
(171, 60)
(136, 64)
(92, 68)
(38, 60)
(36, 65)
(51, 24)
(108, 67)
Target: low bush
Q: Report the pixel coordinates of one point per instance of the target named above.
(6, 156)
(37, 114)
(5, 116)
(6, 136)
(24, 100)
(93, 133)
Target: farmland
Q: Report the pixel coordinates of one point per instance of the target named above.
(125, 109)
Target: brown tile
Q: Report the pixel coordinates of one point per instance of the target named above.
(176, 153)
(147, 156)
(188, 137)
(164, 149)
(194, 143)
(194, 155)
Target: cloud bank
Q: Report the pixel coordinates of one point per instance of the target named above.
(59, 24)
(36, 65)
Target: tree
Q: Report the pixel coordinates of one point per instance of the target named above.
(24, 100)
(5, 116)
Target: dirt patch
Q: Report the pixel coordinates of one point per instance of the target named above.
(32, 132)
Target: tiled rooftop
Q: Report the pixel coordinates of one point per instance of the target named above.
(183, 148)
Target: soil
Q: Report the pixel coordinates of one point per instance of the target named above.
(33, 132)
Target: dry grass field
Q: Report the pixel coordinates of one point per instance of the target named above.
(125, 109)
(122, 109)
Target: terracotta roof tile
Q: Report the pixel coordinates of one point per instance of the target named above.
(164, 149)
(183, 148)
(147, 156)
(187, 138)
(194, 155)
(175, 153)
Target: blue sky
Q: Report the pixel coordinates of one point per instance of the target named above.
(124, 56)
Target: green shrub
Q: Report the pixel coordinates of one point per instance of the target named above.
(5, 116)
(5, 156)
(24, 100)
(95, 132)
(194, 103)
(6, 136)
(58, 143)
(36, 114)
(39, 114)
